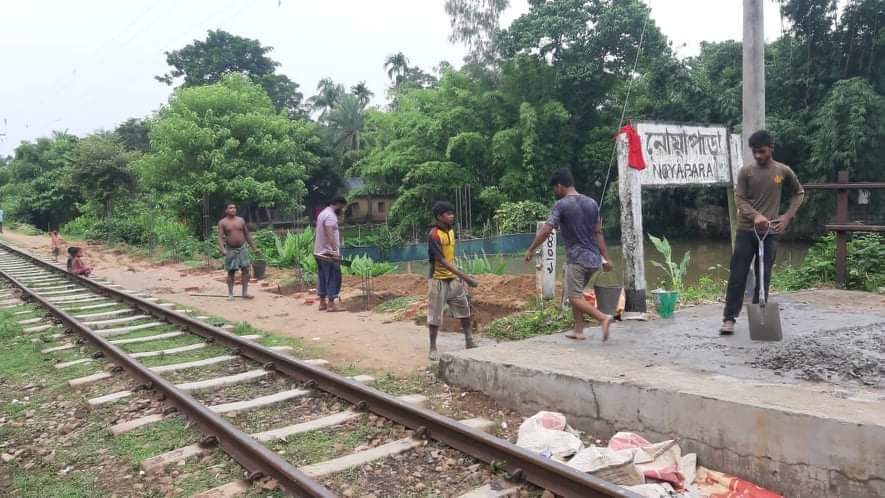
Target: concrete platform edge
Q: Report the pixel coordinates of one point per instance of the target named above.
(797, 454)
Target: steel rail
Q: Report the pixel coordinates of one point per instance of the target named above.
(248, 452)
(522, 464)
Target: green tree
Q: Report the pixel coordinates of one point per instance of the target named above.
(226, 142)
(346, 120)
(41, 190)
(134, 134)
(397, 65)
(475, 23)
(362, 92)
(328, 93)
(205, 62)
(103, 171)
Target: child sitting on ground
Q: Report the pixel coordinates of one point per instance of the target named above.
(57, 242)
(76, 265)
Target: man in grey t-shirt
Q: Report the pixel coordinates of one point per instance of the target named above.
(576, 216)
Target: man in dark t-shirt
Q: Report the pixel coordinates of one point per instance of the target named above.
(757, 194)
(576, 216)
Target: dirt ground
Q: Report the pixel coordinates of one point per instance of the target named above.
(370, 340)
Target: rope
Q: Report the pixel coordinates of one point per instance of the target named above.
(624, 109)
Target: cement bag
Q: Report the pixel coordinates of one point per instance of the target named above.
(605, 463)
(658, 461)
(716, 484)
(653, 490)
(547, 433)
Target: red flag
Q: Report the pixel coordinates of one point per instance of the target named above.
(634, 148)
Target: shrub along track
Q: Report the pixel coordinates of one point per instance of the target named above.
(130, 330)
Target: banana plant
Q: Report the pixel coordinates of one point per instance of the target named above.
(675, 272)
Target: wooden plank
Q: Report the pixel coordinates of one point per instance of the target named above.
(854, 227)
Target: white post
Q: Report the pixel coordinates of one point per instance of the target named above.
(630, 190)
(545, 266)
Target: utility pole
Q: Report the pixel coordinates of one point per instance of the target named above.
(753, 84)
(754, 72)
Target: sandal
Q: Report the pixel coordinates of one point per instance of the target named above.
(727, 327)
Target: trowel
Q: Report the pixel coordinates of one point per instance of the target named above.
(765, 317)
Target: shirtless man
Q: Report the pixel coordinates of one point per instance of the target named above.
(233, 235)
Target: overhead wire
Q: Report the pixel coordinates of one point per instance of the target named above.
(624, 108)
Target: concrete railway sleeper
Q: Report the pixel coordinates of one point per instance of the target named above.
(96, 310)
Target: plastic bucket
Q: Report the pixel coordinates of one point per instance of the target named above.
(665, 303)
(259, 268)
(607, 298)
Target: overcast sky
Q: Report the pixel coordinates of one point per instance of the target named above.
(89, 64)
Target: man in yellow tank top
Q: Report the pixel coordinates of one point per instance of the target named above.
(446, 287)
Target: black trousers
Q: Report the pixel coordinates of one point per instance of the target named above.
(746, 246)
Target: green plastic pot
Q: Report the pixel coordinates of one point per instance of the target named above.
(665, 303)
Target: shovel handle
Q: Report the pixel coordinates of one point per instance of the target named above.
(760, 257)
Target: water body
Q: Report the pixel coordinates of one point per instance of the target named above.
(708, 257)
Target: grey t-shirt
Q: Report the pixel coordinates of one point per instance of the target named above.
(576, 217)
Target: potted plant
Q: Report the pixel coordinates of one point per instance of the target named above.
(665, 300)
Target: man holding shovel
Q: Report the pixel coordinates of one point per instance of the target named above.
(576, 216)
(758, 198)
(327, 250)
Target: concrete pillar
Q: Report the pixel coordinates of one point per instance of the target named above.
(630, 190)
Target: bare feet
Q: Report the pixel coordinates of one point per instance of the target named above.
(578, 336)
(333, 308)
(605, 326)
(434, 355)
(323, 305)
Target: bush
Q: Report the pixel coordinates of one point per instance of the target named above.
(82, 227)
(177, 238)
(866, 265)
(140, 228)
(25, 228)
(364, 265)
(479, 264)
(544, 321)
(516, 217)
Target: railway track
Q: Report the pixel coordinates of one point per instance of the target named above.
(184, 362)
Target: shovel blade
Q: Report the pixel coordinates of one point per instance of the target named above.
(765, 322)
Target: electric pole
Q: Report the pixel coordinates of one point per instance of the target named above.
(753, 73)
(753, 87)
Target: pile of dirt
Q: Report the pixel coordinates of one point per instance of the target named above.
(496, 296)
(505, 290)
(850, 354)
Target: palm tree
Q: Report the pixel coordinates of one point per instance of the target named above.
(328, 93)
(396, 65)
(346, 120)
(362, 92)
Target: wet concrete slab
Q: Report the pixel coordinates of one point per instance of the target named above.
(745, 407)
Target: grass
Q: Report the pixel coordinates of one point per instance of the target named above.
(396, 305)
(707, 290)
(316, 446)
(40, 483)
(151, 440)
(544, 320)
(396, 385)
